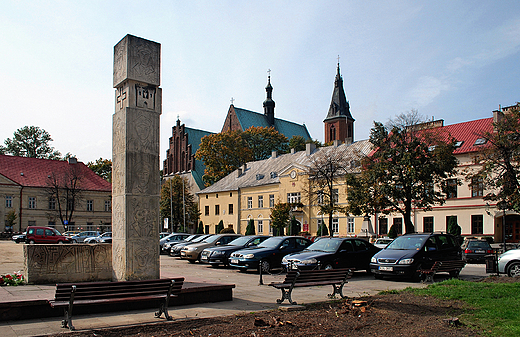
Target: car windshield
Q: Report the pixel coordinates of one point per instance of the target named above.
(408, 243)
(240, 241)
(190, 238)
(56, 231)
(199, 239)
(211, 239)
(383, 241)
(478, 244)
(324, 245)
(271, 242)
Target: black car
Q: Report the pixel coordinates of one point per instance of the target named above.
(173, 237)
(269, 253)
(474, 250)
(19, 238)
(216, 256)
(332, 253)
(410, 252)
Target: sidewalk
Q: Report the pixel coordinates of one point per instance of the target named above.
(248, 296)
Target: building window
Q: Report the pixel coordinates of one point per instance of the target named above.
(320, 198)
(249, 202)
(477, 187)
(335, 195)
(320, 224)
(108, 207)
(451, 188)
(260, 226)
(448, 220)
(8, 201)
(477, 224)
(90, 205)
(271, 200)
(217, 209)
(31, 223)
(335, 226)
(206, 210)
(398, 223)
(230, 209)
(428, 224)
(350, 225)
(293, 197)
(270, 229)
(260, 201)
(32, 202)
(52, 203)
(383, 226)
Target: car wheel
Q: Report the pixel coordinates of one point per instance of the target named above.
(378, 276)
(416, 275)
(192, 261)
(60, 242)
(31, 242)
(214, 265)
(328, 266)
(265, 265)
(513, 269)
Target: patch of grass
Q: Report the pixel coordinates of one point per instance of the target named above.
(389, 292)
(492, 307)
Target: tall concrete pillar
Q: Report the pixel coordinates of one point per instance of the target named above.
(135, 160)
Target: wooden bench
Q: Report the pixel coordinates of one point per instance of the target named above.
(308, 278)
(453, 267)
(100, 293)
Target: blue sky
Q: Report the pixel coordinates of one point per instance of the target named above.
(451, 60)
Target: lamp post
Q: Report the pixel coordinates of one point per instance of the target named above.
(502, 205)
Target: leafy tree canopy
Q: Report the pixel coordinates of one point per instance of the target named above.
(409, 167)
(102, 167)
(176, 201)
(280, 216)
(500, 162)
(32, 142)
(263, 141)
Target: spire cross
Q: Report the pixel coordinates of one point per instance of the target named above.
(232, 100)
(269, 72)
(338, 59)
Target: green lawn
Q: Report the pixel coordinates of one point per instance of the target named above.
(493, 308)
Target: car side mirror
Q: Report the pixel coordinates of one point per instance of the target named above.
(282, 247)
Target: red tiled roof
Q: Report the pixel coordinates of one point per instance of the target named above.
(468, 133)
(33, 172)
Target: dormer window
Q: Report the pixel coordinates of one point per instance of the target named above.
(459, 144)
(273, 175)
(259, 176)
(480, 141)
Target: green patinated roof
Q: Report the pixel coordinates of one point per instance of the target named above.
(194, 138)
(249, 118)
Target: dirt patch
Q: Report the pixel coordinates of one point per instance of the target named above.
(401, 314)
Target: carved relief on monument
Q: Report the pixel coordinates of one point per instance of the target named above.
(145, 96)
(144, 260)
(143, 60)
(120, 55)
(142, 217)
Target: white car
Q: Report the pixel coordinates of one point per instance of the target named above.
(382, 242)
(103, 238)
(509, 263)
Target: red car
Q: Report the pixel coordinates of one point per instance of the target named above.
(37, 234)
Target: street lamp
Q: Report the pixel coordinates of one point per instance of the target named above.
(502, 205)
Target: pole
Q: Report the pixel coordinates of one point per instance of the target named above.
(183, 206)
(171, 207)
(504, 229)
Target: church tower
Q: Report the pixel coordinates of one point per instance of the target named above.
(339, 124)
(269, 103)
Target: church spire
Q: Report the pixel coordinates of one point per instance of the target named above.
(269, 103)
(339, 124)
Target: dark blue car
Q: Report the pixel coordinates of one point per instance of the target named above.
(332, 253)
(219, 255)
(269, 253)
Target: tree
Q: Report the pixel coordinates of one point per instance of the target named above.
(220, 227)
(322, 230)
(408, 168)
(250, 229)
(222, 153)
(454, 228)
(499, 172)
(280, 215)
(178, 204)
(263, 141)
(64, 192)
(298, 143)
(102, 167)
(32, 142)
(392, 233)
(200, 229)
(10, 220)
(326, 171)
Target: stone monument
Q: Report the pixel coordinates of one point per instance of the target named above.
(135, 160)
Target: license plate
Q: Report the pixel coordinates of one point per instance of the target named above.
(480, 251)
(386, 268)
(203, 257)
(234, 261)
(293, 266)
(183, 254)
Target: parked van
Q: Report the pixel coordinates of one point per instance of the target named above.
(37, 234)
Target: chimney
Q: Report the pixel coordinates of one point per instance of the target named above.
(309, 148)
(274, 154)
(245, 167)
(239, 172)
(293, 150)
(73, 160)
(336, 143)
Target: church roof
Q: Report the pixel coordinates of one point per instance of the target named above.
(339, 106)
(34, 172)
(289, 129)
(195, 137)
(267, 171)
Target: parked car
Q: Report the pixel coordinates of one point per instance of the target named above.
(192, 252)
(383, 242)
(103, 238)
(19, 237)
(163, 234)
(82, 236)
(333, 253)
(38, 234)
(509, 263)
(168, 245)
(474, 250)
(410, 252)
(175, 250)
(219, 255)
(173, 237)
(268, 254)
(71, 233)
